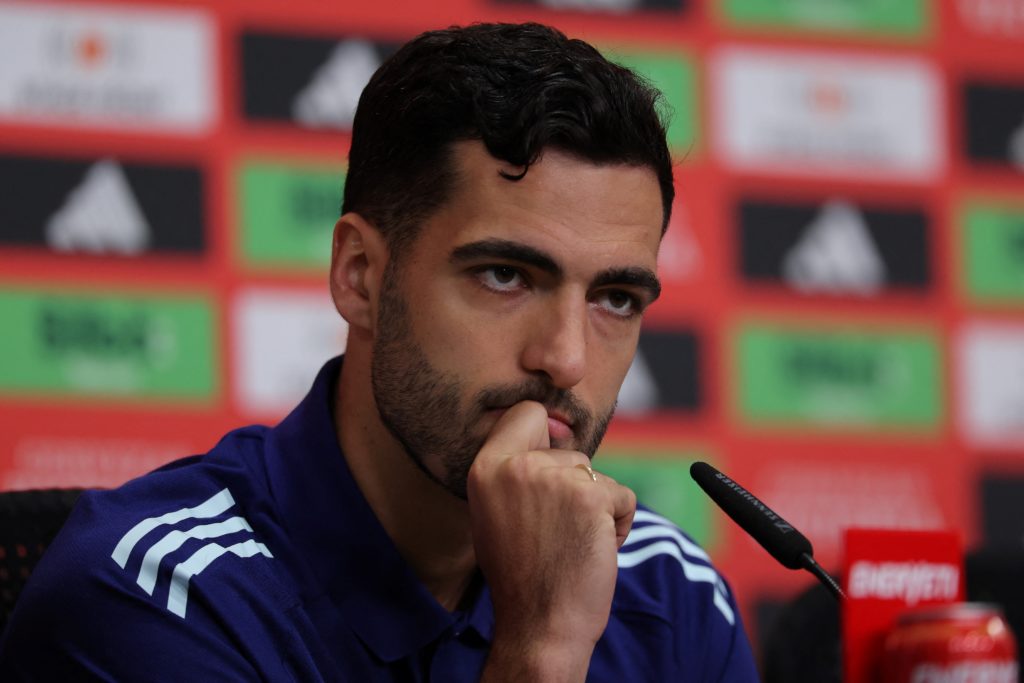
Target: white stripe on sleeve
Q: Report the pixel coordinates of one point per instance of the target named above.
(177, 597)
(693, 572)
(643, 533)
(175, 539)
(212, 507)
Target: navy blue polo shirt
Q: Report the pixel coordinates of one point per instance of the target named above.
(261, 560)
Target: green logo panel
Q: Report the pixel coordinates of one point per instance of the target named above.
(908, 18)
(288, 212)
(107, 345)
(839, 377)
(675, 75)
(661, 481)
(993, 239)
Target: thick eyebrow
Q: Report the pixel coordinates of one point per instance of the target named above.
(505, 250)
(508, 250)
(633, 277)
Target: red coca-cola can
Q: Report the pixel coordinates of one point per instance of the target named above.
(957, 643)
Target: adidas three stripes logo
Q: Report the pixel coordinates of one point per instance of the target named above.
(666, 540)
(177, 596)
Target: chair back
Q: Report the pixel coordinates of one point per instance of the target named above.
(29, 520)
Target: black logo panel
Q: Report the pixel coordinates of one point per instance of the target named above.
(994, 117)
(835, 247)
(313, 82)
(101, 205)
(1002, 511)
(665, 374)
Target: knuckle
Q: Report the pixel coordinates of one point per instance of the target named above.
(584, 497)
(475, 479)
(630, 496)
(518, 468)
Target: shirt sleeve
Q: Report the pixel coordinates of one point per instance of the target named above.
(84, 615)
(737, 665)
(72, 624)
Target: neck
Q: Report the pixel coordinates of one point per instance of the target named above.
(428, 525)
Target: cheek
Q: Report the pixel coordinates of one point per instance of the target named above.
(612, 373)
(618, 355)
(460, 342)
(608, 362)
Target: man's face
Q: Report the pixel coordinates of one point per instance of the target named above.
(513, 291)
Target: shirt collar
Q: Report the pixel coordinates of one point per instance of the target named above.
(349, 555)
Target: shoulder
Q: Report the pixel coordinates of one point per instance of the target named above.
(662, 568)
(191, 506)
(666, 578)
(165, 558)
(155, 535)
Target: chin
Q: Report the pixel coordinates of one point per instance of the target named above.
(565, 444)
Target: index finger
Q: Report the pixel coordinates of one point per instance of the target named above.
(523, 428)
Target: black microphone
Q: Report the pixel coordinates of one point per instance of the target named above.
(787, 545)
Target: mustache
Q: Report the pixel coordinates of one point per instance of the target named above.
(541, 391)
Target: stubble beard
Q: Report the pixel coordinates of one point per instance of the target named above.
(422, 407)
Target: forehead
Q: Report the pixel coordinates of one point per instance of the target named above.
(580, 212)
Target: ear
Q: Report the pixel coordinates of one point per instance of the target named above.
(358, 257)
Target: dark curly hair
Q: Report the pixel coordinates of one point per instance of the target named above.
(518, 88)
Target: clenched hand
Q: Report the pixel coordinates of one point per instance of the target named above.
(546, 537)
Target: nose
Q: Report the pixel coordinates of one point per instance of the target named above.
(557, 342)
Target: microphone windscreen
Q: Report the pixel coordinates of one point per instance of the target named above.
(775, 534)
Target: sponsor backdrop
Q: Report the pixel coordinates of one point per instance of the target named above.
(842, 328)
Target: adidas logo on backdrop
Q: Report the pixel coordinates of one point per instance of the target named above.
(100, 215)
(837, 247)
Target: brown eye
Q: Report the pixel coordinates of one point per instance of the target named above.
(500, 278)
(504, 275)
(619, 303)
(619, 300)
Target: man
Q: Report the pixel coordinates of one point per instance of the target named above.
(506, 197)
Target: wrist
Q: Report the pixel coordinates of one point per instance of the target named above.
(540, 659)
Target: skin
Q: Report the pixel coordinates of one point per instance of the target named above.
(523, 301)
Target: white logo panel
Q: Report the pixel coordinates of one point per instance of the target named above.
(282, 339)
(993, 18)
(812, 113)
(106, 67)
(992, 383)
